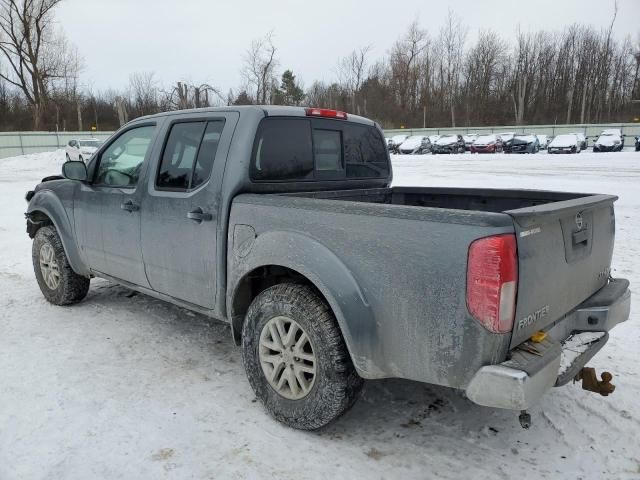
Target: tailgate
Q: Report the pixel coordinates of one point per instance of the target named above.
(564, 257)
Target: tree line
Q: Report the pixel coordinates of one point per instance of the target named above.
(426, 78)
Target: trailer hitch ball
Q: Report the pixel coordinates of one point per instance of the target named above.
(591, 383)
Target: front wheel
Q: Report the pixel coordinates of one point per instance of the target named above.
(295, 358)
(58, 283)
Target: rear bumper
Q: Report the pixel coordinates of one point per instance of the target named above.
(521, 381)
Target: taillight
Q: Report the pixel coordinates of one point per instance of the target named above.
(492, 282)
(324, 112)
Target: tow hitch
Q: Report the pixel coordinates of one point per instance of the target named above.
(591, 383)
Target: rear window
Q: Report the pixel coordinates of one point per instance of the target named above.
(303, 149)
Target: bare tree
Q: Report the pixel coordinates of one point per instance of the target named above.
(404, 65)
(259, 68)
(352, 71)
(451, 41)
(31, 49)
(144, 93)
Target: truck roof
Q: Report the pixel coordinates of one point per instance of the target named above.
(268, 111)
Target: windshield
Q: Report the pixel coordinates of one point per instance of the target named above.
(486, 139)
(90, 143)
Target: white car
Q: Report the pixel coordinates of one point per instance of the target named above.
(566, 143)
(415, 144)
(82, 149)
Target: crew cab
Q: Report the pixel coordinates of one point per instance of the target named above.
(282, 222)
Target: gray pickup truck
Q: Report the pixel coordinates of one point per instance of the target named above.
(282, 222)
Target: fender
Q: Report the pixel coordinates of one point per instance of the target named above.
(47, 202)
(330, 276)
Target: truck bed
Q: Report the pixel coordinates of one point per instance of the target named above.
(482, 200)
(563, 239)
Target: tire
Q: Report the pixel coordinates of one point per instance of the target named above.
(64, 287)
(334, 385)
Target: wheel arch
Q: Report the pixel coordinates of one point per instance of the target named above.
(45, 208)
(280, 257)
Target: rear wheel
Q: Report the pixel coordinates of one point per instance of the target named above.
(58, 283)
(295, 358)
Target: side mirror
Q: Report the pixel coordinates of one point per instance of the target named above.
(75, 171)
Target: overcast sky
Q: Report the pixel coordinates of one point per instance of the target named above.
(205, 41)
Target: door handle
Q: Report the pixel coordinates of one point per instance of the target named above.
(129, 206)
(199, 216)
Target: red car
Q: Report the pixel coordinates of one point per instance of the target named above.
(487, 144)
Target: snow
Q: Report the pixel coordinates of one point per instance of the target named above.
(485, 139)
(526, 138)
(447, 139)
(412, 142)
(608, 139)
(398, 139)
(575, 346)
(125, 386)
(567, 140)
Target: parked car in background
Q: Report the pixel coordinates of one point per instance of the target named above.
(82, 149)
(469, 139)
(638, 143)
(416, 144)
(609, 141)
(396, 141)
(544, 141)
(487, 144)
(507, 141)
(389, 143)
(582, 140)
(448, 144)
(565, 143)
(525, 144)
(433, 138)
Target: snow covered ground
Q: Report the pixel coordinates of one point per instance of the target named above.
(125, 386)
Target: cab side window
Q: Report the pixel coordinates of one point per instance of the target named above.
(121, 162)
(188, 156)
